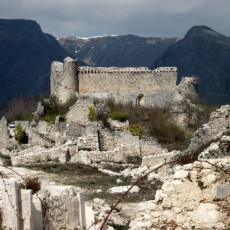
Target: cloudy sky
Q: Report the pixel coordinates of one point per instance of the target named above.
(84, 18)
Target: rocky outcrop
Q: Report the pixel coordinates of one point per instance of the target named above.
(188, 89)
(218, 125)
(218, 149)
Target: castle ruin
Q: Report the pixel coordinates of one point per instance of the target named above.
(141, 86)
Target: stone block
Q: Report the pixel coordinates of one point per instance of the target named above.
(82, 217)
(222, 191)
(181, 174)
(11, 214)
(26, 209)
(122, 189)
(90, 218)
(206, 165)
(168, 187)
(37, 213)
(206, 213)
(188, 167)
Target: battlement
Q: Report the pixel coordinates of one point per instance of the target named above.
(87, 69)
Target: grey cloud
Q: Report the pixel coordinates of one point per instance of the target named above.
(169, 18)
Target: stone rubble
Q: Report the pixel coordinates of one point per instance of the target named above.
(194, 195)
(188, 200)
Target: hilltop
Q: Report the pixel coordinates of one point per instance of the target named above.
(26, 56)
(203, 53)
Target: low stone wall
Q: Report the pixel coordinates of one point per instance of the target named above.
(39, 154)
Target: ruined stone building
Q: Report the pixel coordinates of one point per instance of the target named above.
(141, 86)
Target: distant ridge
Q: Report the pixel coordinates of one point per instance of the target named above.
(117, 50)
(204, 53)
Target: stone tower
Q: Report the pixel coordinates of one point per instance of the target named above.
(63, 80)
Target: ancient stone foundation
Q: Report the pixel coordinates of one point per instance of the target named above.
(53, 207)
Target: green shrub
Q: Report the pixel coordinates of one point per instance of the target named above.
(136, 130)
(91, 114)
(120, 116)
(50, 118)
(20, 135)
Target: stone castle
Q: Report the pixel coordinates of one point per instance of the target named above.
(141, 86)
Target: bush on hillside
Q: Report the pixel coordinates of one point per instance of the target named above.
(119, 116)
(136, 130)
(20, 135)
(91, 114)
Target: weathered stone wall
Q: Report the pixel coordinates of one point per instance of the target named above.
(139, 85)
(195, 196)
(127, 84)
(38, 154)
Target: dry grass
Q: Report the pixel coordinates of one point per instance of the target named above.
(32, 183)
(92, 180)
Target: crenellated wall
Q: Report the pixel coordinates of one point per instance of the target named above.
(141, 85)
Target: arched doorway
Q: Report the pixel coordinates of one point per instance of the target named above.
(140, 100)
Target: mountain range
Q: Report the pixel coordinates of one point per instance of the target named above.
(203, 53)
(117, 50)
(26, 54)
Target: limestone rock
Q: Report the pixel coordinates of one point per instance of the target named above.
(4, 139)
(212, 131)
(79, 111)
(206, 213)
(188, 89)
(117, 125)
(122, 189)
(40, 154)
(40, 109)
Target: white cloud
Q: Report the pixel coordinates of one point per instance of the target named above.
(169, 18)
